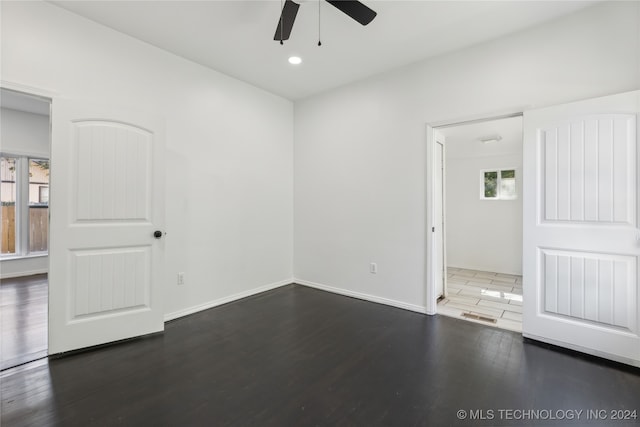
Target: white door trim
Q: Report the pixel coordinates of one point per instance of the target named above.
(48, 96)
(431, 302)
(37, 92)
(440, 219)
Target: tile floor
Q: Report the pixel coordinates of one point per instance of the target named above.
(490, 295)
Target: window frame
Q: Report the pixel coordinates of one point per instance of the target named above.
(22, 205)
(498, 182)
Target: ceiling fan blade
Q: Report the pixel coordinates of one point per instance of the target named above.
(285, 24)
(355, 10)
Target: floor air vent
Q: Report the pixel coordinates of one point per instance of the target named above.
(475, 316)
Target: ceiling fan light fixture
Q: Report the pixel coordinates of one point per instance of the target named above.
(295, 60)
(289, 10)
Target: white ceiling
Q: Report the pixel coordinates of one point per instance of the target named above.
(236, 37)
(465, 140)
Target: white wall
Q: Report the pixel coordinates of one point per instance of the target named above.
(25, 134)
(359, 153)
(225, 139)
(483, 235)
(24, 266)
(360, 150)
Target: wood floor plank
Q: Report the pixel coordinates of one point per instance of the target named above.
(23, 319)
(297, 356)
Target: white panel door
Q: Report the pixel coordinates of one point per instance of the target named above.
(438, 215)
(581, 238)
(107, 200)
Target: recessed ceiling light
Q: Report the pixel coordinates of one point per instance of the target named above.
(295, 60)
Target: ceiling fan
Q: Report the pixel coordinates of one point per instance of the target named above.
(354, 9)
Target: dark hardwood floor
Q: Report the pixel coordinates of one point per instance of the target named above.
(23, 319)
(297, 356)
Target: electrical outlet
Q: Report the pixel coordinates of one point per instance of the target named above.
(181, 278)
(373, 268)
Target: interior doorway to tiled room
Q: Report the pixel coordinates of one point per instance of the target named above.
(482, 199)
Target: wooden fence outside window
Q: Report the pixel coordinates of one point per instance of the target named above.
(38, 229)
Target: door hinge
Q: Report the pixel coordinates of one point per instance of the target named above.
(433, 229)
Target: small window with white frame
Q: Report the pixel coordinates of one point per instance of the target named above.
(498, 184)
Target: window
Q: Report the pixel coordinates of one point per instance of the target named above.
(8, 198)
(25, 205)
(498, 184)
(38, 205)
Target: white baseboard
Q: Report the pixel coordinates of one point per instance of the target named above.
(225, 300)
(485, 268)
(23, 273)
(362, 296)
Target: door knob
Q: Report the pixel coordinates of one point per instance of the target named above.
(157, 234)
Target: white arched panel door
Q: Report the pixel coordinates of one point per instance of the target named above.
(581, 238)
(107, 201)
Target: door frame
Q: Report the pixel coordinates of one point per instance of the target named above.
(442, 250)
(41, 95)
(48, 96)
(37, 92)
(431, 303)
(54, 98)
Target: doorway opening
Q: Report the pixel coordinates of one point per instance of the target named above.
(477, 198)
(24, 215)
